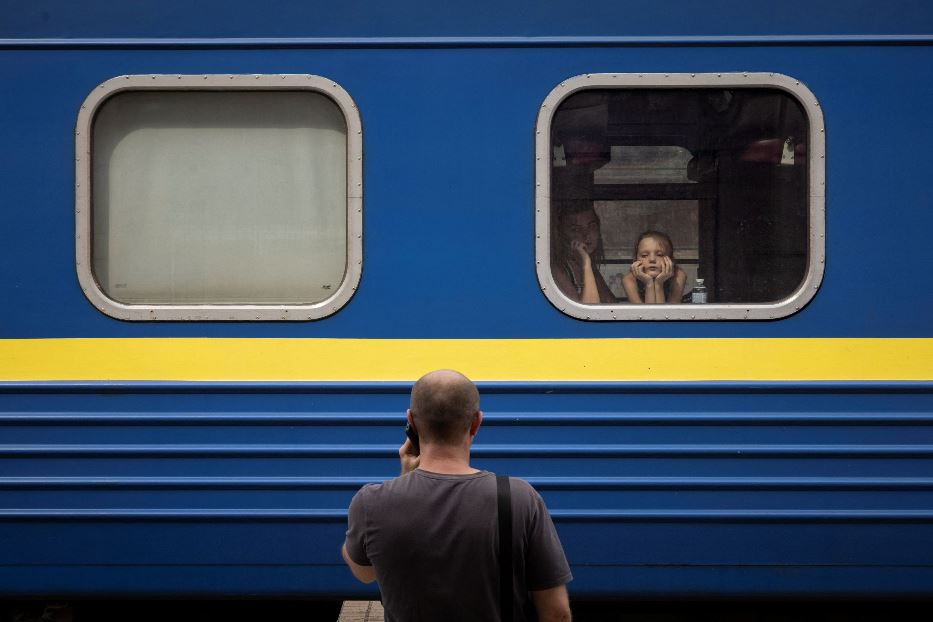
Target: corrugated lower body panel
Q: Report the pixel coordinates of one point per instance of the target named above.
(680, 490)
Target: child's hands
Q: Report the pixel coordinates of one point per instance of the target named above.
(638, 269)
(667, 270)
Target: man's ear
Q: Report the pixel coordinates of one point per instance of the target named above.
(477, 421)
(411, 420)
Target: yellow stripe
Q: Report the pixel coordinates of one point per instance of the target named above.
(481, 359)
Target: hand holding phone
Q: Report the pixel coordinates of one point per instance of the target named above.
(409, 454)
(413, 437)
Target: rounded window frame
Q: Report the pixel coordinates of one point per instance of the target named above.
(217, 312)
(816, 252)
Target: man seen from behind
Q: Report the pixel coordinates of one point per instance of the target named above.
(430, 537)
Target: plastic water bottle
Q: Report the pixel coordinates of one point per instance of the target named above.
(698, 296)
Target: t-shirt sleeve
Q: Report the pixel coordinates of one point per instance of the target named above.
(356, 530)
(545, 563)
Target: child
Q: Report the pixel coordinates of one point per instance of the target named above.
(654, 277)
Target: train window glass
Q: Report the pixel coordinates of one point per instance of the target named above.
(696, 196)
(226, 197)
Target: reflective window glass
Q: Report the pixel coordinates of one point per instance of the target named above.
(679, 196)
(219, 197)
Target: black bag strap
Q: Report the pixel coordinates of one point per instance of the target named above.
(504, 496)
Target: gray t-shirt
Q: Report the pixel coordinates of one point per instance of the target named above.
(434, 543)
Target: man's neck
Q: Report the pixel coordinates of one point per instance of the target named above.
(446, 460)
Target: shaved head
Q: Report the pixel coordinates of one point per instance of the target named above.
(443, 403)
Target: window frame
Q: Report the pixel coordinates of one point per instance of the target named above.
(816, 194)
(217, 312)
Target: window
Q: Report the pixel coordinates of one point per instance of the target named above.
(218, 197)
(722, 172)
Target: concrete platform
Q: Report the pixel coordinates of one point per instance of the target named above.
(361, 611)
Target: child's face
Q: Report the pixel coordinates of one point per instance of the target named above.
(583, 227)
(650, 253)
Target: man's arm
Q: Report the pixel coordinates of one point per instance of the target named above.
(552, 605)
(366, 574)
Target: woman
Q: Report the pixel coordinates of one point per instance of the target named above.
(576, 252)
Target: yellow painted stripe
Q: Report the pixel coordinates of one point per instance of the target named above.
(481, 359)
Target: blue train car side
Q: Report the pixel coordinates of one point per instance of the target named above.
(153, 450)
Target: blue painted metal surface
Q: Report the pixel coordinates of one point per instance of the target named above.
(439, 176)
(410, 18)
(808, 489)
(657, 490)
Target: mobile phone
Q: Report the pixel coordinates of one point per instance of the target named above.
(413, 437)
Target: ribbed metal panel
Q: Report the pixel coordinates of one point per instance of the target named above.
(716, 477)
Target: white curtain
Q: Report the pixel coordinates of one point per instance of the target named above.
(219, 197)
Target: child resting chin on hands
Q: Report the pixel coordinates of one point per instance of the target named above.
(654, 278)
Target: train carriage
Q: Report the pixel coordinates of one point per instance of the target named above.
(236, 233)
